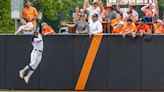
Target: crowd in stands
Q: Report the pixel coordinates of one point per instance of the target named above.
(124, 21)
(29, 22)
(90, 19)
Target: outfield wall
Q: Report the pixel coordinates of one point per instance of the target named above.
(133, 64)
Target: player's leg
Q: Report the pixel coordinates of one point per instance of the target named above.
(33, 65)
(22, 72)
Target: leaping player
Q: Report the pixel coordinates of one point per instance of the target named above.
(36, 56)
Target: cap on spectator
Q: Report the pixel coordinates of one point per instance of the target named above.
(129, 20)
(95, 15)
(141, 19)
(132, 5)
(121, 23)
(94, 2)
(160, 21)
(108, 6)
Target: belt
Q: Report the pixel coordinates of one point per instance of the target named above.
(38, 50)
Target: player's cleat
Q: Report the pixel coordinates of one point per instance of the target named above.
(26, 79)
(21, 74)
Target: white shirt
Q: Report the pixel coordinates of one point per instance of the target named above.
(92, 10)
(95, 27)
(125, 10)
(38, 43)
(24, 29)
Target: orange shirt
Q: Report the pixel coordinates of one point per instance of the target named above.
(159, 30)
(115, 21)
(144, 28)
(129, 28)
(47, 29)
(155, 26)
(117, 30)
(30, 13)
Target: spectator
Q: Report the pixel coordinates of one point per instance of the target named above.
(118, 28)
(30, 12)
(117, 20)
(76, 14)
(110, 13)
(47, 30)
(130, 16)
(82, 11)
(160, 27)
(125, 10)
(96, 7)
(25, 28)
(149, 11)
(143, 28)
(95, 27)
(81, 26)
(129, 29)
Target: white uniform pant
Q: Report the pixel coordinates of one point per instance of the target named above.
(36, 57)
